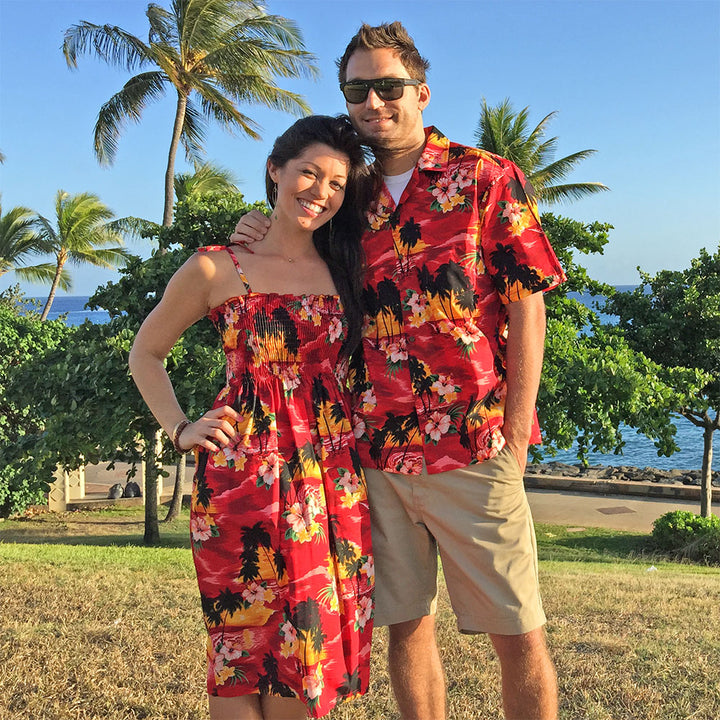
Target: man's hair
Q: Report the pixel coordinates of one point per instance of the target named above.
(388, 35)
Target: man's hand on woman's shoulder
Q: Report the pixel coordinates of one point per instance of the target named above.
(252, 227)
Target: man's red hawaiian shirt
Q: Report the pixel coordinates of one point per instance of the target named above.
(464, 240)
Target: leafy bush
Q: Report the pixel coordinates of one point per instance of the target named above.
(688, 536)
(24, 469)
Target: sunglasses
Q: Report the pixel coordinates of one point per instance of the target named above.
(356, 91)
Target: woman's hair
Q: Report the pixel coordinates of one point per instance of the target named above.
(337, 241)
(392, 36)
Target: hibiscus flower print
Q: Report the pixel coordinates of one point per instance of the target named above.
(516, 214)
(465, 176)
(258, 594)
(268, 471)
(445, 387)
(368, 400)
(290, 376)
(225, 653)
(446, 193)
(289, 636)
(301, 517)
(335, 330)
(202, 528)
(466, 336)
(437, 426)
(313, 685)
(359, 426)
(363, 613)
(347, 481)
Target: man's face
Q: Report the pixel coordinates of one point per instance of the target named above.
(387, 125)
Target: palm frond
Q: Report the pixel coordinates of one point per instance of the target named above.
(44, 274)
(193, 132)
(127, 104)
(207, 178)
(571, 191)
(99, 257)
(220, 108)
(110, 43)
(163, 28)
(561, 168)
(134, 227)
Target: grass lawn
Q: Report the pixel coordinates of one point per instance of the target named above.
(94, 625)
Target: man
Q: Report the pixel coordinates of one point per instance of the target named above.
(455, 325)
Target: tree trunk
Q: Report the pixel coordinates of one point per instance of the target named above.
(176, 502)
(170, 171)
(153, 446)
(706, 478)
(53, 289)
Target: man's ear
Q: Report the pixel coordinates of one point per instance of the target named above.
(423, 96)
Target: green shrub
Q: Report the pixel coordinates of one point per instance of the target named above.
(688, 536)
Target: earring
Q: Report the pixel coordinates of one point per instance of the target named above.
(273, 195)
(330, 230)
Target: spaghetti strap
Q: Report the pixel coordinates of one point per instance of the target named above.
(238, 268)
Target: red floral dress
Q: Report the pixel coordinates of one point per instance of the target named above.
(279, 522)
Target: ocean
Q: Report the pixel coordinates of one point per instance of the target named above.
(639, 451)
(73, 307)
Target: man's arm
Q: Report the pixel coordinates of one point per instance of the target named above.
(525, 345)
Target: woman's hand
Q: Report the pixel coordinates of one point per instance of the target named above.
(212, 431)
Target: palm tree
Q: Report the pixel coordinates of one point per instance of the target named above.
(18, 241)
(504, 132)
(207, 179)
(83, 234)
(222, 51)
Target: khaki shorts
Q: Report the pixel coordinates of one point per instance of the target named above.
(479, 519)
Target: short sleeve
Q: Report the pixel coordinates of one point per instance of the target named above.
(515, 250)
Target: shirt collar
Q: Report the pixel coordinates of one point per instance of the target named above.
(436, 154)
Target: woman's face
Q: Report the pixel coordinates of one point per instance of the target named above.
(310, 187)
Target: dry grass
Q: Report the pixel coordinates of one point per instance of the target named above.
(93, 630)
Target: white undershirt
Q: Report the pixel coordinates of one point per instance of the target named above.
(397, 183)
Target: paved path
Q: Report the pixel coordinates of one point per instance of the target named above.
(619, 512)
(634, 513)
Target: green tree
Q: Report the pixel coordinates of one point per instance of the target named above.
(504, 132)
(594, 381)
(19, 240)
(208, 179)
(82, 234)
(24, 471)
(674, 318)
(221, 51)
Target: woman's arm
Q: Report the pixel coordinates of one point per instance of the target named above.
(183, 303)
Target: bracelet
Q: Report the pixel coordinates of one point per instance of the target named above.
(175, 437)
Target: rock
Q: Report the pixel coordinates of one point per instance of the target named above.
(132, 490)
(115, 492)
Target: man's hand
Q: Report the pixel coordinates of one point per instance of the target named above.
(252, 227)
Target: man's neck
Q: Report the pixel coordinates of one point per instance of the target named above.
(396, 162)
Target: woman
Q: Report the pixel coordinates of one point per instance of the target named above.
(280, 531)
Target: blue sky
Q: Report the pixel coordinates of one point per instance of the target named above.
(638, 81)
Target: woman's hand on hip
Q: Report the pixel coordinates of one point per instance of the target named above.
(214, 430)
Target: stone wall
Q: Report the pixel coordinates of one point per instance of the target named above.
(621, 473)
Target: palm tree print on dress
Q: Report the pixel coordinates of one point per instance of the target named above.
(254, 539)
(270, 682)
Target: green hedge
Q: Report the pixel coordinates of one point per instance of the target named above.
(690, 536)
